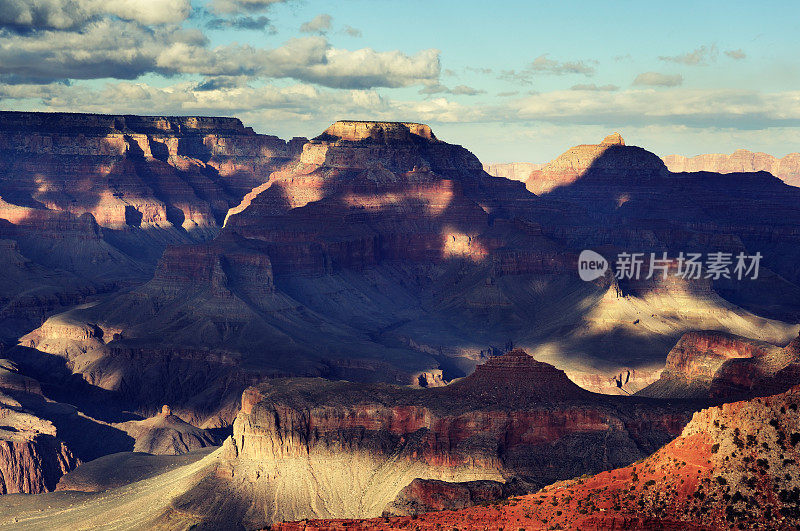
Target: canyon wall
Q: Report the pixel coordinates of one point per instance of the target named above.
(787, 168)
(312, 448)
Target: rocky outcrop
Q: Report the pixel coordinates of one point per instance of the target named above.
(91, 201)
(167, 434)
(426, 495)
(611, 158)
(733, 466)
(787, 168)
(516, 171)
(720, 366)
(323, 449)
(32, 458)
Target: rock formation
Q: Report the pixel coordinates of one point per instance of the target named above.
(315, 448)
(516, 171)
(383, 253)
(134, 170)
(733, 466)
(574, 163)
(787, 168)
(32, 458)
(427, 495)
(720, 366)
(167, 434)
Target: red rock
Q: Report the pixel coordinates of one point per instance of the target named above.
(32, 459)
(338, 440)
(426, 495)
(733, 466)
(722, 366)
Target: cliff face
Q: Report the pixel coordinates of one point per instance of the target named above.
(32, 459)
(724, 367)
(516, 171)
(733, 466)
(320, 448)
(134, 170)
(382, 253)
(574, 164)
(91, 201)
(787, 168)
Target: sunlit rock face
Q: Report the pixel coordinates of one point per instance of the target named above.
(719, 366)
(619, 161)
(93, 200)
(368, 192)
(741, 160)
(733, 466)
(32, 458)
(383, 253)
(314, 448)
(134, 170)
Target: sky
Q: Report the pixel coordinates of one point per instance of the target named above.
(509, 80)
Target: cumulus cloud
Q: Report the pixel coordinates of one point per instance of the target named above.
(596, 88)
(110, 48)
(698, 57)
(26, 15)
(320, 24)
(736, 54)
(104, 48)
(656, 79)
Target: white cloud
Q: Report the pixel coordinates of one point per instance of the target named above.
(320, 24)
(73, 14)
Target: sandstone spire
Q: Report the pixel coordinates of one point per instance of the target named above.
(614, 139)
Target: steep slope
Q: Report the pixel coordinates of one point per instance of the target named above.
(32, 458)
(577, 161)
(787, 168)
(733, 466)
(167, 434)
(143, 171)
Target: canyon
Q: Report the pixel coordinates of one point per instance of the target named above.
(367, 322)
(382, 253)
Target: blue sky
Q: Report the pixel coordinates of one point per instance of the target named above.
(512, 81)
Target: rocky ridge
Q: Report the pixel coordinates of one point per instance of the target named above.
(787, 168)
(719, 366)
(287, 429)
(733, 466)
